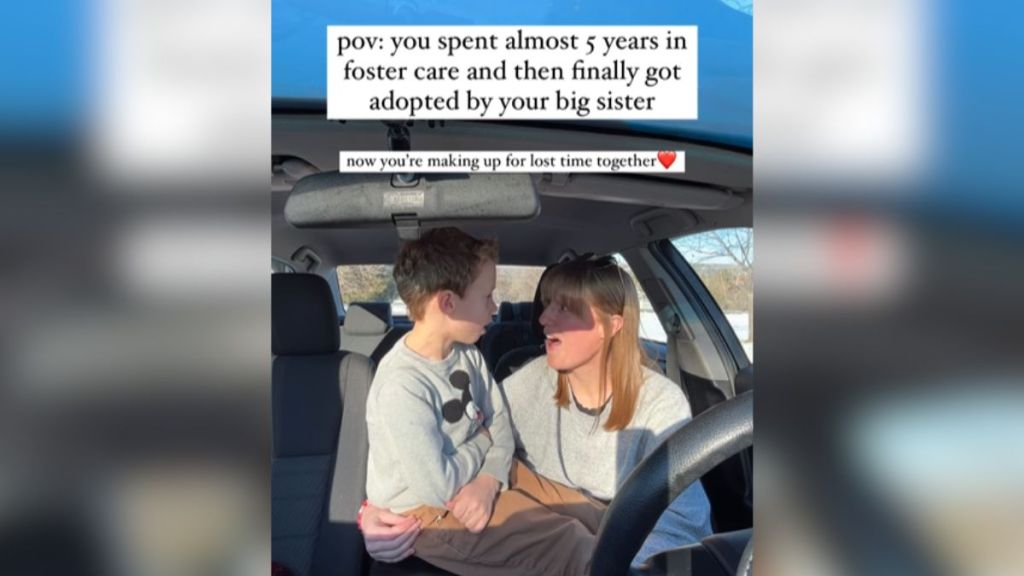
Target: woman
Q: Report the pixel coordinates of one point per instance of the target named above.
(585, 414)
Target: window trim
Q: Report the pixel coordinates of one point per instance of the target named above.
(724, 338)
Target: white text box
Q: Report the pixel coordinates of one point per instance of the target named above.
(512, 72)
(657, 161)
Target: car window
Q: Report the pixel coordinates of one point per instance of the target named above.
(368, 283)
(278, 266)
(374, 283)
(724, 261)
(517, 283)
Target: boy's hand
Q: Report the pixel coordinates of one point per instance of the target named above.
(388, 537)
(474, 503)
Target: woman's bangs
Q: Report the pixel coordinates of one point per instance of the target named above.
(561, 286)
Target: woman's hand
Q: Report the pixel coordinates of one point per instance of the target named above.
(474, 503)
(389, 537)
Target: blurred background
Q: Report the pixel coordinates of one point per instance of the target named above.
(135, 287)
(134, 292)
(888, 212)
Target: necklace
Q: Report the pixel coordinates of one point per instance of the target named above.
(588, 411)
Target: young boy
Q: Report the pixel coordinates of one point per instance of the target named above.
(441, 442)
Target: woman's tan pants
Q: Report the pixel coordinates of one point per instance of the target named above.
(538, 527)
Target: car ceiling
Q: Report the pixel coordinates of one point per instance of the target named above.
(586, 212)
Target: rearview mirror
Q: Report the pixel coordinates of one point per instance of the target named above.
(337, 200)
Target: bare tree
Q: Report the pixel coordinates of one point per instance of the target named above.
(728, 246)
(724, 259)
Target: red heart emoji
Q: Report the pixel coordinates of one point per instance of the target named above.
(666, 157)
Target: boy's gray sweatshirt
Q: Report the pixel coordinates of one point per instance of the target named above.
(422, 453)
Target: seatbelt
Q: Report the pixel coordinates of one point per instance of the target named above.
(672, 325)
(349, 482)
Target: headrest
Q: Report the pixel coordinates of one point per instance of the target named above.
(304, 319)
(523, 311)
(368, 318)
(515, 311)
(506, 312)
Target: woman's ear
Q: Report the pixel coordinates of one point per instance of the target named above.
(616, 322)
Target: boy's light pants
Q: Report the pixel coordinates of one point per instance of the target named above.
(538, 527)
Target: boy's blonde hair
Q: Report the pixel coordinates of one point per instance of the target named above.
(441, 259)
(601, 283)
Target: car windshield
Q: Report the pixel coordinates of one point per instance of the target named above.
(725, 54)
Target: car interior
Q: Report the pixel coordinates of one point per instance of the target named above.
(324, 354)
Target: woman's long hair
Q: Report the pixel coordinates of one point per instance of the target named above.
(601, 283)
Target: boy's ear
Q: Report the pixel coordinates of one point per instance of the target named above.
(446, 301)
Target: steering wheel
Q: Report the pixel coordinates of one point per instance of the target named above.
(689, 453)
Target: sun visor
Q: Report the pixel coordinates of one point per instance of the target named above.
(337, 200)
